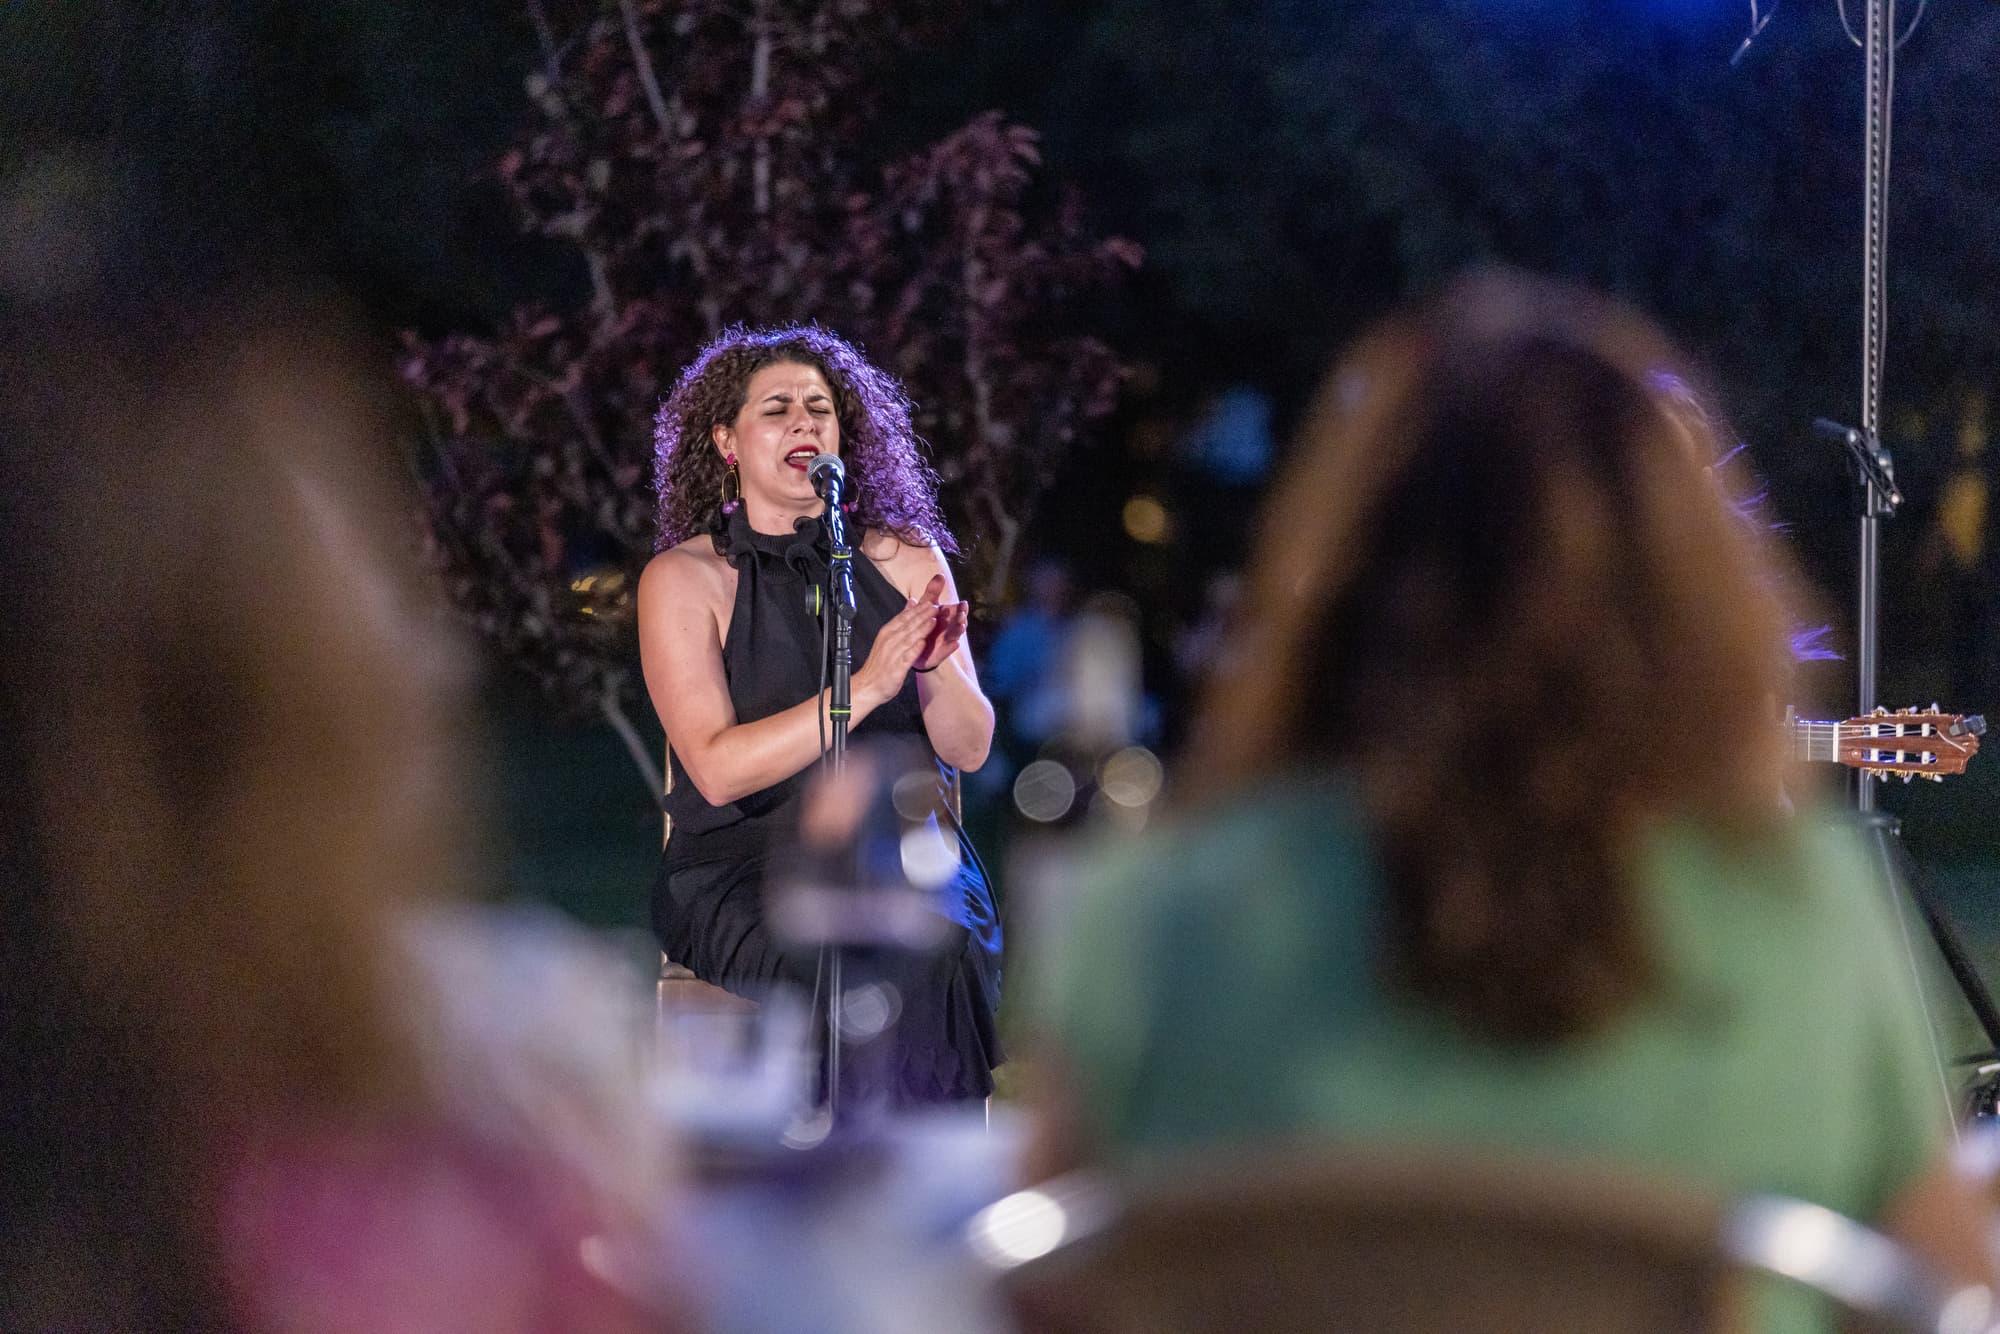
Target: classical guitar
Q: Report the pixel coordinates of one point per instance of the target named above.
(1912, 743)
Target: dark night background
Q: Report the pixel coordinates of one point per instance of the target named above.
(1292, 169)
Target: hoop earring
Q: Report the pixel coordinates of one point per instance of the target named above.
(732, 486)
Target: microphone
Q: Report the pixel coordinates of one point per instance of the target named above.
(829, 478)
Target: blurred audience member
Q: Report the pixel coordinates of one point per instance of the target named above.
(1233, 442)
(1488, 847)
(1102, 676)
(1023, 665)
(1200, 646)
(260, 1074)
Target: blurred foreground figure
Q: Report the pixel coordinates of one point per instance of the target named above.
(1490, 848)
(260, 1074)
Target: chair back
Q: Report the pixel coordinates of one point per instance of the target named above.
(1387, 1242)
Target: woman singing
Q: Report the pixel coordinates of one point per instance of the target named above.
(734, 660)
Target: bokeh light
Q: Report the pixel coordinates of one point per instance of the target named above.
(1023, 1226)
(1131, 777)
(1147, 520)
(930, 859)
(1044, 791)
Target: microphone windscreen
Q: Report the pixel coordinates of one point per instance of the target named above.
(825, 468)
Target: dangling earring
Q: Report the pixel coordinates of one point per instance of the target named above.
(732, 486)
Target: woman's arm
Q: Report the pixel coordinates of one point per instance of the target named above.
(957, 715)
(681, 595)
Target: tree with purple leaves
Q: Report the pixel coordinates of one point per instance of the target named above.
(706, 163)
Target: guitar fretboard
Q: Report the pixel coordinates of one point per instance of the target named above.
(1817, 742)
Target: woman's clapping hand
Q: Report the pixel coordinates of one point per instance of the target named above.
(919, 637)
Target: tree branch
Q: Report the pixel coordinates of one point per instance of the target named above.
(546, 36)
(644, 63)
(613, 709)
(602, 299)
(760, 92)
(994, 590)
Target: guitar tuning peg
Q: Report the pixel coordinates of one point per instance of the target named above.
(1881, 712)
(1908, 776)
(1934, 706)
(1935, 778)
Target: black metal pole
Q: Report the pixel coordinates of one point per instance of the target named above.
(1880, 499)
(1866, 610)
(840, 707)
(840, 604)
(840, 710)
(1879, 85)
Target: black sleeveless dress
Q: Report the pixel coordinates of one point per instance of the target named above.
(708, 908)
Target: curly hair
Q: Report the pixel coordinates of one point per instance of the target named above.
(1501, 590)
(894, 489)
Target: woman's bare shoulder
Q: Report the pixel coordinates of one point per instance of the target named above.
(691, 568)
(892, 552)
(908, 565)
(880, 546)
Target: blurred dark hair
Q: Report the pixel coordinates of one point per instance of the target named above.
(894, 489)
(222, 706)
(1502, 587)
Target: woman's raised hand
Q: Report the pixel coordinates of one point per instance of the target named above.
(948, 629)
(897, 648)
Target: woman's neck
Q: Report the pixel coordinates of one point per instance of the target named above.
(777, 518)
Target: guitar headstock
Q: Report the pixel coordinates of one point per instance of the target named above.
(1910, 743)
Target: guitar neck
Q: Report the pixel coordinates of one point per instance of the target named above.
(1911, 743)
(1815, 742)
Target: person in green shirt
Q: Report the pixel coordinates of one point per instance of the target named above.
(1487, 842)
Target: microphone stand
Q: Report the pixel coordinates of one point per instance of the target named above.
(840, 709)
(1880, 499)
(1875, 471)
(840, 599)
